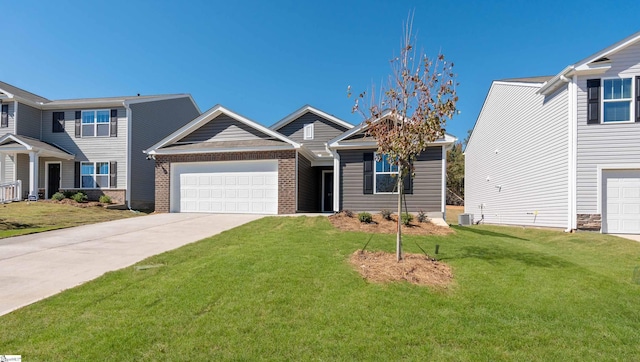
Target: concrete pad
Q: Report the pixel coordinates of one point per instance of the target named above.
(36, 266)
(634, 237)
(439, 222)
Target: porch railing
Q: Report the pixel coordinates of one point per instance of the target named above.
(10, 191)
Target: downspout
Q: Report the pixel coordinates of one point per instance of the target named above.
(128, 186)
(574, 150)
(444, 183)
(570, 155)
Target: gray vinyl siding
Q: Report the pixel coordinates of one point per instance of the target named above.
(224, 128)
(22, 172)
(28, 121)
(427, 184)
(324, 130)
(151, 122)
(12, 120)
(516, 162)
(308, 189)
(92, 149)
(604, 144)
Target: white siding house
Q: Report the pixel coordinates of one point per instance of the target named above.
(561, 151)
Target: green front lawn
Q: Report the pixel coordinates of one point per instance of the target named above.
(281, 288)
(19, 218)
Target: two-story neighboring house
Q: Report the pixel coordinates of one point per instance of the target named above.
(310, 161)
(561, 151)
(93, 145)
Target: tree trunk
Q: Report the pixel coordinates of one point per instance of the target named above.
(399, 235)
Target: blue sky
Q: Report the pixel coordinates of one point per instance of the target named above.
(265, 59)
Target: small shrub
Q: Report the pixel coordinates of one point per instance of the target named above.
(348, 213)
(58, 196)
(422, 217)
(406, 218)
(386, 214)
(105, 199)
(68, 193)
(365, 217)
(79, 197)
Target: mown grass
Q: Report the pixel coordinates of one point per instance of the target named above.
(281, 288)
(19, 218)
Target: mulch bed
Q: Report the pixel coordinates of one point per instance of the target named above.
(383, 226)
(74, 203)
(382, 267)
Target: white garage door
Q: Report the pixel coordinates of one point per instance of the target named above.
(621, 212)
(247, 187)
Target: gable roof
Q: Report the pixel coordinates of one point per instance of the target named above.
(12, 142)
(303, 110)
(343, 141)
(168, 143)
(593, 64)
(13, 91)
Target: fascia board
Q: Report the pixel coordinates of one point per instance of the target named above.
(220, 150)
(308, 108)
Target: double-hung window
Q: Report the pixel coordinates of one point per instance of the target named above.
(94, 175)
(617, 96)
(96, 123)
(386, 176)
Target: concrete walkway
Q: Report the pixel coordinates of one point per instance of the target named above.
(36, 266)
(634, 237)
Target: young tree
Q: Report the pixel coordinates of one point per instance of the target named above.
(412, 110)
(455, 173)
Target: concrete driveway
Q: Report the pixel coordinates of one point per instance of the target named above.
(36, 266)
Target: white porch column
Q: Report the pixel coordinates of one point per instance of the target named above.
(33, 174)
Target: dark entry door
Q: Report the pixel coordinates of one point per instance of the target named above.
(327, 191)
(54, 179)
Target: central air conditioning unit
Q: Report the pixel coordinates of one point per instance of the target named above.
(465, 219)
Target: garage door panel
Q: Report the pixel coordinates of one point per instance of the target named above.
(621, 198)
(198, 189)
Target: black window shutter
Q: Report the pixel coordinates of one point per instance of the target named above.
(593, 101)
(114, 123)
(113, 174)
(4, 119)
(637, 99)
(367, 165)
(76, 178)
(78, 123)
(58, 122)
(408, 184)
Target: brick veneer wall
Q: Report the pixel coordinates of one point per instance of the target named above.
(591, 222)
(286, 174)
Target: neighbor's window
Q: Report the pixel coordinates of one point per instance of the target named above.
(96, 123)
(616, 100)
(94, 175)
(308, 131)
(386, 176)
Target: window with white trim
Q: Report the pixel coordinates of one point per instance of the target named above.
(386, 176)
(617, 96)
(96, 123)
(94, 175)
(308, 131)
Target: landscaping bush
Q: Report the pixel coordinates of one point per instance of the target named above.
(79, 197)
(422, 217)
(68, 193)
(365, 217)
(386, 214)
(406, 218)
(105, 199)
(348, 213)
(58, 196)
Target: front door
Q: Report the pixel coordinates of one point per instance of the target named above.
(327, 191)
(53, 183)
